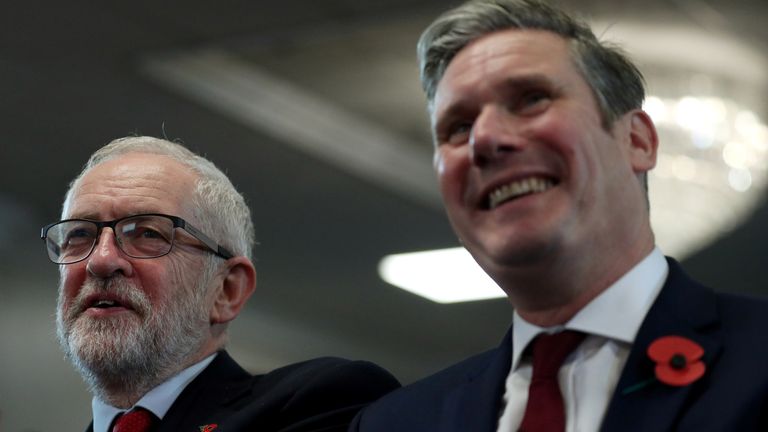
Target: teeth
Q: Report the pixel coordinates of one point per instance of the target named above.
(518, 188)
(104, 303)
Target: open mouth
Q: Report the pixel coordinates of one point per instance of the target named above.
(517, 189)
(106, 304)
(109, 303)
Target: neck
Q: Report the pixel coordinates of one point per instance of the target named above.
(551, 293)
(123, 393)
(124, 399)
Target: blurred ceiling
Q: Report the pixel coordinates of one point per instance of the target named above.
(314, 111)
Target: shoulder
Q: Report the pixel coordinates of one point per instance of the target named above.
(683, 293)
(749, 308)
(323, 394)
(342, 376)
(733, 310)
(319, 394)
(421, 406)
(736, 369)
(454, 375)
(743, 320)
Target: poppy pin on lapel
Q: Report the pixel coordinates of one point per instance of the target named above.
(208, 427)
(678, 362)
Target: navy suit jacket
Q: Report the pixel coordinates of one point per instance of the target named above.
(317, 395)
(731, 396)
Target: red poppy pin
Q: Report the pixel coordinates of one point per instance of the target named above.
(208, 427)
(678, 362)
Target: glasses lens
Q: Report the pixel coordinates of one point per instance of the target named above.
(145, 236)
(70, 241)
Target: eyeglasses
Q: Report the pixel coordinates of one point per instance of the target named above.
(140, 236)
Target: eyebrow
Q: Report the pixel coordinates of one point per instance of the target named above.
(534, 80)
(96, 217)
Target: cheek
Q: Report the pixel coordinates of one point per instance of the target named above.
(575, 151)
(72, 277)
(179, 277)
(155, 280)
(451, 167)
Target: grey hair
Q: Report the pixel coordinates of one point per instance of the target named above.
(219, 209)
(616, 82)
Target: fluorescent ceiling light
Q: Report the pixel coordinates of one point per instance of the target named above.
(443, 275)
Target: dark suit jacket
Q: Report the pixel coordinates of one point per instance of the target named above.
(317, 395)
(731, 396)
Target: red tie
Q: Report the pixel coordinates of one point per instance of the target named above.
(136, 420)
(545, 411)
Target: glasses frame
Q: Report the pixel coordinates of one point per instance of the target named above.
(178, 222)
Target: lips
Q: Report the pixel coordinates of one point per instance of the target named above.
(105, 302)
(517, 188)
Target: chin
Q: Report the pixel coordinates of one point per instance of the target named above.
(94, 342)
(514, 251)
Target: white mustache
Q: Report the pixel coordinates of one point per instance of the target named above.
(119, 288)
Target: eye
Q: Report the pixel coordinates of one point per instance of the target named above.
(80, 233)
(533, 102)
(148, 233)
(79, 236)
(456, 133)
(142, 231)
(459, 132)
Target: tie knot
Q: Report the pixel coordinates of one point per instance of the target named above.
(550, 351)
(136, 420)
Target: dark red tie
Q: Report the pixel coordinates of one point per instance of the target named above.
(545, 411)
(136, 420)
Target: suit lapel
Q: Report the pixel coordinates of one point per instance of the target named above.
(475, 404)
(208, 398)
(682, 308)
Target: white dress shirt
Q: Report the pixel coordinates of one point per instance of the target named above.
(158, 400)
(589, 375)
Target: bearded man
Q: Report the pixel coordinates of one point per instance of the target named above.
(154, 253)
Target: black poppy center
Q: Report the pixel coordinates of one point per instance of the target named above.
(678, 361)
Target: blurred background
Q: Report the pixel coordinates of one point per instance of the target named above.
(314, 110)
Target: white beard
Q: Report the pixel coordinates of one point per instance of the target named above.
(132, 352)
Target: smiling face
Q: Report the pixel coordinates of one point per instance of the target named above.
(122, 316)
(529, 177)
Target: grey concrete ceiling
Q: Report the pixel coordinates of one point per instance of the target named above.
(73, 76)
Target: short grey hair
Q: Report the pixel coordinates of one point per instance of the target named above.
(219, 209)
(616, 82)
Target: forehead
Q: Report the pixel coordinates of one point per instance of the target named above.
(506, 53)
(130, 184)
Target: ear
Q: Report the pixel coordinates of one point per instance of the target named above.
(644, 142)
(236, 285)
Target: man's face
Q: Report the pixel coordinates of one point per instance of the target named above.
(526, 170)
(117, 315)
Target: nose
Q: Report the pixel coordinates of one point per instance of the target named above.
(107, 259)
(491, 135)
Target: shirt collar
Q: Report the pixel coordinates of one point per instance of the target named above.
(616, 313)
(158, 400)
